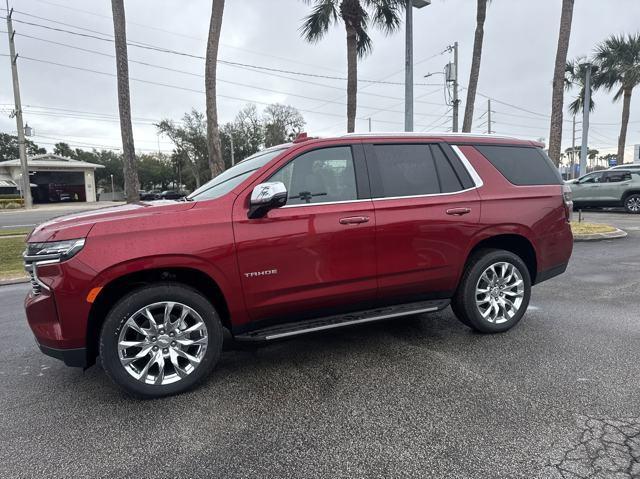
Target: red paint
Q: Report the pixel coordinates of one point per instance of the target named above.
(329, 256)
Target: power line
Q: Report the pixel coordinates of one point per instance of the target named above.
(224, 62)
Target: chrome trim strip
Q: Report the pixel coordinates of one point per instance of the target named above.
(349, 323)
(422, 196)
(428, 135)
(327, 203)
(467, 164)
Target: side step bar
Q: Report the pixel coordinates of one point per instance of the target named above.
(330, 322)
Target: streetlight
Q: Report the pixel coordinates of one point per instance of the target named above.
(113, 195)
(408, 65)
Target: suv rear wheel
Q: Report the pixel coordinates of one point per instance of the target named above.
(160, 340)
(632, 203)
(494, 291)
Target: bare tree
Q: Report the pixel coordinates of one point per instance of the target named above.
(131, 183)
(216, 163)
(557, 101)
(476, 58)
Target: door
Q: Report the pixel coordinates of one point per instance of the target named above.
(614, 184)
(587, 188)
(316, 255)
(427, 209)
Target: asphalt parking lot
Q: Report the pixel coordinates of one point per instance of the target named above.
(558, 396)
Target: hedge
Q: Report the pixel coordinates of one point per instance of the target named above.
(10, 197)
(6, 204)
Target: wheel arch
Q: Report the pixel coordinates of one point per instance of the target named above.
(514, 241)
(119, 285)
(628, 193)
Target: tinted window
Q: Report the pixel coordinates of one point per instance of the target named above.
(617, 176)
(522, 165)
(449, 180)
(319, 176)
(403, 170)
(591, 178)
(229, 179)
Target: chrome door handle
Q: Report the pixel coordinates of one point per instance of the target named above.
(458, 211)
(354, 220)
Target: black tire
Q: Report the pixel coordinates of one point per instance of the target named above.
(464, 300)
(632, 204)
(139, 299)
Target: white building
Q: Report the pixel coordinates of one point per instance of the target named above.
(53, 178)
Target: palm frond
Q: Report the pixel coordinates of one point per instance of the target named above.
(315, 25)
(387, 14)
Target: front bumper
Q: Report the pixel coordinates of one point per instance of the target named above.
(76, 358)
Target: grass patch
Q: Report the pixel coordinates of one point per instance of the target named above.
(590, 228)
(15, 231)
(11, 258)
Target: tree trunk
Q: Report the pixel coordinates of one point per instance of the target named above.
(131, 183)
(216, 162)
(557, 101)
(626, 110)
(352, 78)
(475, 66)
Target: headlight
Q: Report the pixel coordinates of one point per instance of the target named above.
(54, 250)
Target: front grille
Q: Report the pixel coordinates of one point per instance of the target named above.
(36, 289)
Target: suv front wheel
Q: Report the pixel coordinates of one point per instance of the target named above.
(160, 340)
(494, 291)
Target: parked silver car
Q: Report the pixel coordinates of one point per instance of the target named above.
(614, 187)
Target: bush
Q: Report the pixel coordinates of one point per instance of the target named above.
(11, 204)
(14, 196)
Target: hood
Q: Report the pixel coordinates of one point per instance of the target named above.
(78, 225)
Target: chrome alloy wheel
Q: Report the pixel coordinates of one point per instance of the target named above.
(633, 204)
(499, 292)
(162, 343)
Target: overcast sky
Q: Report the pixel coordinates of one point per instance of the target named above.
(80, 107)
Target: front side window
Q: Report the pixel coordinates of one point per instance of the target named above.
(592, 178)
(319, 176)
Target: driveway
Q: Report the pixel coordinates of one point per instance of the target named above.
(558, 396)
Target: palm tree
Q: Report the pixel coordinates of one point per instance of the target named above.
(356, 15)
(618, 60)
(131, 183)
(557, 101)
(216, 163)
(575, 74)
(476, 58)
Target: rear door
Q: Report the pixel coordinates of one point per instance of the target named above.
(316, 255)
(427, 208)
(615, 183)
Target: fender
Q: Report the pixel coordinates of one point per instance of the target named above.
(230, 287)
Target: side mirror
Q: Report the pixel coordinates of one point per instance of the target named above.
(265, 197)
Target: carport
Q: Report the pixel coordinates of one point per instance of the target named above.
(55, 178)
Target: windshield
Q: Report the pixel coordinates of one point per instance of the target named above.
(229, 179)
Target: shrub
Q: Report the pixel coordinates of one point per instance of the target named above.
(11, 204)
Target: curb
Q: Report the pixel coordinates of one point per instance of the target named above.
(618, 233)
(7, 282)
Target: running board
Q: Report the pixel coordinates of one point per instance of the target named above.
(330, 322)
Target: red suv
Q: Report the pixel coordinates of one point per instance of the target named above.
(302, 237)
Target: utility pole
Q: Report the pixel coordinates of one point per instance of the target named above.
(369, 124)
(585, 120)
(489, 116)
(233, 157)
(454, 75)
(22, 147)
(408, 69)
(408, 61)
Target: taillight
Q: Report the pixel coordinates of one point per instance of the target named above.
(567, 197)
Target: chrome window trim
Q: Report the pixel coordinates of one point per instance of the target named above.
(424, 196)
(327, 203)
(467, 164)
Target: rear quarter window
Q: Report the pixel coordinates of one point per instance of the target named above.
(522, 166)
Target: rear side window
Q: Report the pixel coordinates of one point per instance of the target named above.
(449, 181)
(617, 176)
(403, 170)
(522, 165)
